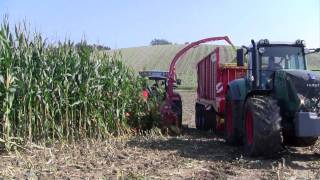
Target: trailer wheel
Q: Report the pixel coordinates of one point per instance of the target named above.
(230, 134)
(262, 126)
(200, 119)
(197, 116)
(210, 120)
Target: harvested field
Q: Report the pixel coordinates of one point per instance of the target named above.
(193, 155)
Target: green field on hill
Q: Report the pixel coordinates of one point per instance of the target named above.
(159, 58)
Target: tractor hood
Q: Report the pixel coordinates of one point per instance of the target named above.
(304, 74)
(306, 83)
(302, 89)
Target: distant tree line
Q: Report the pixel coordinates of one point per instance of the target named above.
(93, 46)
(155, 42)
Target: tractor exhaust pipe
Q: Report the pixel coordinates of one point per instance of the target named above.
(255, 65)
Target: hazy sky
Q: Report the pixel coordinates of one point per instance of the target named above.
(128, 23)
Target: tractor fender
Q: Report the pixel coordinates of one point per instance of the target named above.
(239, 94)
(257, 92)
(237, 89)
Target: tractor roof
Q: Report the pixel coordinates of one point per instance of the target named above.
(156, 75)
(266, 42)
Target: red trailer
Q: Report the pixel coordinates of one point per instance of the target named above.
(213, 78)
(171, 110)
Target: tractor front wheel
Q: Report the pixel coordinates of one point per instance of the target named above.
(262, 126)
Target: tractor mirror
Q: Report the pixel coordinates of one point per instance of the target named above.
(240, 57)
(178, 81)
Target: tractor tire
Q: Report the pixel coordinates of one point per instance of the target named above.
(262, 126)
(230, 134)
(291, 140)
(178, 110)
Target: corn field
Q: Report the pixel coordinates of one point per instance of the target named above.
(63, 92)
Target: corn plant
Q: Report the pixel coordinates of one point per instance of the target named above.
(63, 92)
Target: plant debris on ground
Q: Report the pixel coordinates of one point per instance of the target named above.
(192, 155)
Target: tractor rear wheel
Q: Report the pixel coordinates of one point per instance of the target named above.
(230, 134)
(262, 126)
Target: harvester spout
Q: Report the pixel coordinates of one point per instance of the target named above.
(172, 73)
(169, 113)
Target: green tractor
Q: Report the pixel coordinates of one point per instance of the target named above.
(276, 103)
(156, 89)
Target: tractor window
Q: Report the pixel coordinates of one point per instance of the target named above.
(157, 88)
(282, 57)
(264, 62)
(249, 72)
(276, 58)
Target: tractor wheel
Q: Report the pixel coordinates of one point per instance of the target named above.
(291, 140)
(262, 126)
(178, 110)
(230, 134)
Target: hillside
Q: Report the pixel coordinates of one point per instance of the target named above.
(159, 58)
(313, 61)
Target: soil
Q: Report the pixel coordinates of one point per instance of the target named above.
(192, 155)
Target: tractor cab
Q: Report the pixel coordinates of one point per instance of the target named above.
(265, 58)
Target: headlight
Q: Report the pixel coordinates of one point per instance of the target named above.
(302, 99)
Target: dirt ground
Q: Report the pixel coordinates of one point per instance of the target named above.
(192, 155)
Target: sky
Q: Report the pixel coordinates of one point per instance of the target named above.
(131, 23)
